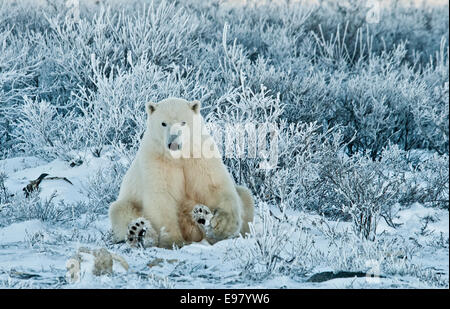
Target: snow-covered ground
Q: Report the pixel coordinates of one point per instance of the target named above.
(34, 253)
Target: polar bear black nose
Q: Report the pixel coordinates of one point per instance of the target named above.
(172, 143)
(174, 146)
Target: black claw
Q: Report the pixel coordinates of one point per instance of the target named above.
(131, 232)
(142, 233)
(142, 222)
(133, 227)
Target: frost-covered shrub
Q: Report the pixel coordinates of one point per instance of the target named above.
(303, 151)
(278, 247)
(424, 176)
(434, 174)
(365, 188)
(133, 31)
(113, 113)
(432, 118)
(388, 256)
(237, 120)
(17, 75)
(428, 183)
(152, 34)
(284, 169)
(5, 195)
(384, 257)
(43, 131)
(102, 188)
(36, 127)
(389, 21)
(34, 207)
(377, 105)
(320, 59)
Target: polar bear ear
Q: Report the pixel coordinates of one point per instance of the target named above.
(150, 107)
(195, 106)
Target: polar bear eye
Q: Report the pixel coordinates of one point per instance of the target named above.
(163, 124)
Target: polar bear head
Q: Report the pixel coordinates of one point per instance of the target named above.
(173, 125)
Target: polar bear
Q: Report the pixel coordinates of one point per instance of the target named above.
(177, 190)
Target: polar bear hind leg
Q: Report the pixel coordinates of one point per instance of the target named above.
(128, 225)
(248, 208)
(204, 216)
(141, 232)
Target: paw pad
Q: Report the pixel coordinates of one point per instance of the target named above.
(202, 215)
(137, 231)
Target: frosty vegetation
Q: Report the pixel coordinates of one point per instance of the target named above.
(361, 108)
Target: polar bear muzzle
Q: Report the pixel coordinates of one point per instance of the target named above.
(173, 144)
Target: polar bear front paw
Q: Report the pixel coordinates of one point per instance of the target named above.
(141, 232)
